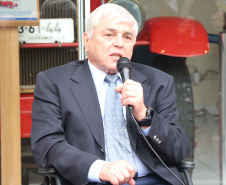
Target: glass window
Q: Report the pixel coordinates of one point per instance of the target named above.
(205, 80)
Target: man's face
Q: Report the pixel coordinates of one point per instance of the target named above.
(110, 41)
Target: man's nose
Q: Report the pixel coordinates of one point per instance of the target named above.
(118, 41)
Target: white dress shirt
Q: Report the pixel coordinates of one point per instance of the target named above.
(101, 88)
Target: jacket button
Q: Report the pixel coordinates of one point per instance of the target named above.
(155, 137)
(159, 142)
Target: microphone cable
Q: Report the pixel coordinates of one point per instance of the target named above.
(142, 134)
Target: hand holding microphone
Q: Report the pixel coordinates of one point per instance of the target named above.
(131, 91)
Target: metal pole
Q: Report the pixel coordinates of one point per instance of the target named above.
(81, 55)
(223, 109)
(87, 9)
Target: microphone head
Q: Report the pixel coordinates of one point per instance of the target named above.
(123, 63)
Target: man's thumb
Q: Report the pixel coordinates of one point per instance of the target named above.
(118, 89)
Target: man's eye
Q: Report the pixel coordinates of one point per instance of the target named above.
(108, 35)
(128, 37)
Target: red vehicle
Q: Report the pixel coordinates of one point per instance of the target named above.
(9, 4)
(163, 43)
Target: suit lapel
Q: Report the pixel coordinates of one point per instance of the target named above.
(85, 94)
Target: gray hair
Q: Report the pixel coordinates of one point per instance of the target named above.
(115, 11)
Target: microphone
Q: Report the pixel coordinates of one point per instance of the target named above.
(124, 66)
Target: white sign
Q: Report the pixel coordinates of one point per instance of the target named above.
(49, 31)
(18, 10)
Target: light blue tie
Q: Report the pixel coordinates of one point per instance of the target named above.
(117, 144)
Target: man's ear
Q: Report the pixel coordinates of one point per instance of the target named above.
(86, 41)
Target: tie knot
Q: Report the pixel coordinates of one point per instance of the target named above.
(111, 78)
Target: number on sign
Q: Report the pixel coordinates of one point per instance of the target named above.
(31, 29)
(57, 28)
(21, 29)
(49, 29)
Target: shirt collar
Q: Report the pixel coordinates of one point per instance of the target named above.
(98, 75)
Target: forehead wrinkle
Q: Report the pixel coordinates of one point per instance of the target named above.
(115, 30)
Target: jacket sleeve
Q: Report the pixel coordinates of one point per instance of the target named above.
(49, 146)
(166, 136)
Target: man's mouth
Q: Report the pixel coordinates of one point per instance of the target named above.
(116, 55)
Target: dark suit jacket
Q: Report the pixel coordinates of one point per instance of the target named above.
(67, 130)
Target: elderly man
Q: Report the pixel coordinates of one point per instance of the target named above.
(81, 125)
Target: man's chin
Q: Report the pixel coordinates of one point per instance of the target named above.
(111, 71)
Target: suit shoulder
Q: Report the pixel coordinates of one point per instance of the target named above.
(149, 71)
(63, 70)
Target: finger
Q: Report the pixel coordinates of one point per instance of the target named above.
(132, 100)
(129, 85)
(129, 91)
(131, 169)
(120, 177)
(116, 173)
(114, 177)
(126, 175)
(128, 101)
(108, 172)
(113, 180)
(132, 88)
(125, 172)
(129, 81)
(131, 182)
(118, 89)
(130, 94)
